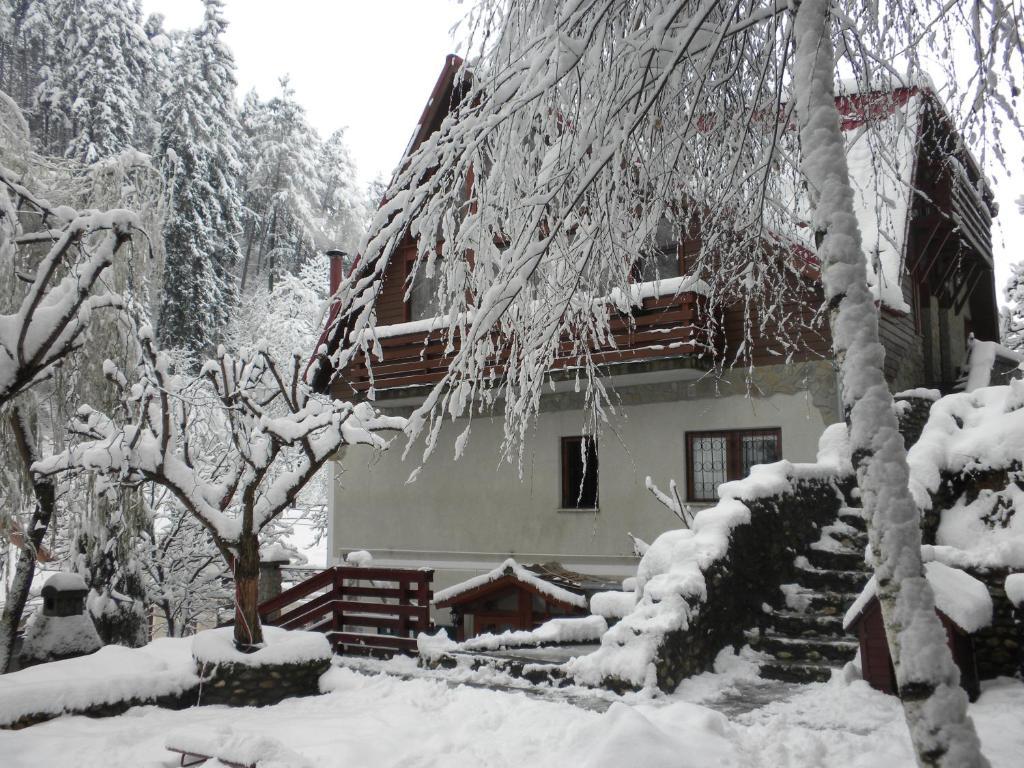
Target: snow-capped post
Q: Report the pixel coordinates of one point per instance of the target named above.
(934, 704)
(234, 445)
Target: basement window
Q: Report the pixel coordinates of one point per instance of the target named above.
(579, 473)
(713, 458)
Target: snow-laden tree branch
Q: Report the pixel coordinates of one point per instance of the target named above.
(586, 133)
(234, 446)
(53, 313)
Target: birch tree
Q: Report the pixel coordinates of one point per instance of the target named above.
(234, 446)
(587, 125)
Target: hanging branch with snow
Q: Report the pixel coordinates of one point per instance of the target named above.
(584, 130)
(49, 322)
(234, 446)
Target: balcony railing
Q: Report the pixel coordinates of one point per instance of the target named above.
(665, 326)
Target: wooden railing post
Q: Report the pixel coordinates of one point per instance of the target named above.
(337, 594)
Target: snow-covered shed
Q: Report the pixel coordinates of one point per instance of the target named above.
(518, 597)
(964, 607)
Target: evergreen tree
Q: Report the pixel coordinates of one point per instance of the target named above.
(341, 204)
(106, 69)
(199, 138)
(284, 188)
(1012, 330)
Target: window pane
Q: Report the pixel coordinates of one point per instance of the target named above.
(662, 264)
(758, 449)
(708, 454)
(579, 473)
(423, 301)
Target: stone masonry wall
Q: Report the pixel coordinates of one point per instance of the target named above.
(759, 559)
(243, 685)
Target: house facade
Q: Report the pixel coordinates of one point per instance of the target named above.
(579, 500)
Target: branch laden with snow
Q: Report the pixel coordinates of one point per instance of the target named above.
(234, 446)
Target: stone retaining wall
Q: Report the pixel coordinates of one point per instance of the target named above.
(760, 558)
(244, 685)
(998, 647)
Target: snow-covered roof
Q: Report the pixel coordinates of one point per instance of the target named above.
(972, 432)
(963, 598)
(510, 568)
(66, 582)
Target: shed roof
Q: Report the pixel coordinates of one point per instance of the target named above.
(511, 573)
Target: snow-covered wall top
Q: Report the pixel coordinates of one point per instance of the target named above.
(671, 584)
(967, 434)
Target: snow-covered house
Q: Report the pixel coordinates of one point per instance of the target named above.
(578, 498)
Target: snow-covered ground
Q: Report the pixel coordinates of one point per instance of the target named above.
(382, 720)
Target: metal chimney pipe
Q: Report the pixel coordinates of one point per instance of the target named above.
(337, 258)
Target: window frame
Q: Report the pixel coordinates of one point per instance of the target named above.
(570, 496)
(733, 453)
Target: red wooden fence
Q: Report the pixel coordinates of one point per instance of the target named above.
(375, 611)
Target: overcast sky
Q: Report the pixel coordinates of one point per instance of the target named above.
(368, 67)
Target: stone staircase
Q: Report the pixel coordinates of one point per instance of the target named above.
(802, 636)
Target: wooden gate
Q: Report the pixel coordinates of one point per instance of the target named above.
(376, 611)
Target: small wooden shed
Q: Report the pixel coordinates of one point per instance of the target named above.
(516, 597)
(962, 604)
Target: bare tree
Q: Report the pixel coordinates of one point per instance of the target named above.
(53, 296)
(234, 446)
(585, 125)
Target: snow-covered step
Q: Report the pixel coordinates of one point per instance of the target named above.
(797, 673)
(806, 650)
(840, 560)
(833, 581)
(854, 518)
(797, 624)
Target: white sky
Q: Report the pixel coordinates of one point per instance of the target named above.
(369, 67)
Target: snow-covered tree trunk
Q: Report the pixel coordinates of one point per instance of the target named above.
(934, 704)
(39, 524)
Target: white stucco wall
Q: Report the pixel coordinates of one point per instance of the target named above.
(462, 517)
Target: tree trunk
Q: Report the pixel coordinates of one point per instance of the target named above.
(933, 703)
(38, 526)
(248, 632)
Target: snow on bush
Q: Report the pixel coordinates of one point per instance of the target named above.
(670, 577)
(56, 637)
(280, 646)
(974, 432)
(963, 598)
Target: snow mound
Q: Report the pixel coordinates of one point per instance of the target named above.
(1015, 589)
(963, 598)
(612, 605)
(55, 637)
(582, 629)
(112, 674)
(66, 582)
(235, 747)
(281, 646)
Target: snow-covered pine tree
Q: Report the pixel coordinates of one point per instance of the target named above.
(199, 142)
(342, 205)
(105, 68)
(283, 187)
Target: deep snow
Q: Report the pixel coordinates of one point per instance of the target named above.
(381, 720)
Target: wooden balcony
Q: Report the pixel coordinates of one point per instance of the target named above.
(668, 326)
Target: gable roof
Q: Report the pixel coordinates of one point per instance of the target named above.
(509, 573)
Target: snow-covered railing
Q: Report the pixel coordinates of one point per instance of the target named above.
(354, 604)
(664, 324)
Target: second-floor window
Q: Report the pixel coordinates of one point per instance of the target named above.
(423, 301)
(660, 264)
(579, 473)
(713, 458)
